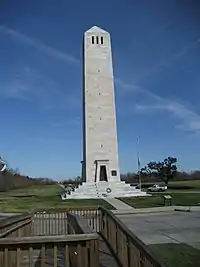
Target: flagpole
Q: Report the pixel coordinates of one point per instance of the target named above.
(138, 163)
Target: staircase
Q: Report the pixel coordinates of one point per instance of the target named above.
(104, 190)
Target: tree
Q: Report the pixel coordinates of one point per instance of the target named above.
(165, 170)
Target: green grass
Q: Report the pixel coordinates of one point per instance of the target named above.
(176, 255)
(45, 197)
(184, 186)
(156, 200)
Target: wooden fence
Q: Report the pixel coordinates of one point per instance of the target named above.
(54, 222)
(19, 249)
(129, 250)
(21, 245)
(51, 251)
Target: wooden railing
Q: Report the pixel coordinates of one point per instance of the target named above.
(16, 226)
(77, 224)
(19, 248)
(54, 222)
(51, 251)
(127, 248)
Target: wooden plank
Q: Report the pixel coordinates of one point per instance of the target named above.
(30, 257)
(67, 256)
(6, 257)
(10, 220)
(48, 239)
(15, 228)
(105, 256)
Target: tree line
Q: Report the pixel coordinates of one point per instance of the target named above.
(13, 179)
(154, 171)
(164, 171)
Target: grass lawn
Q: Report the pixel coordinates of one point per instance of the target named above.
(44, 197)
(184, 185)
(176, 255)
(156, 200)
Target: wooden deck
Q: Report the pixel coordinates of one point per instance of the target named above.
(73, 238)
(105, 257)
(54, 225)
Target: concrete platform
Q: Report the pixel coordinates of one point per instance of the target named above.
(165, 227)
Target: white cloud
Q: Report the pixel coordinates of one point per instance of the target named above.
(189, 120)
(15, 90)
(40, 46)
(28, 85)
(126, 86)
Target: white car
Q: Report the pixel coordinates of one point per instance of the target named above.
(157, 188)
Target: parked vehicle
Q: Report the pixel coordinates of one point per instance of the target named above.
(157, 188)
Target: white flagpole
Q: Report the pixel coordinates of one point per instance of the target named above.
(138, 164)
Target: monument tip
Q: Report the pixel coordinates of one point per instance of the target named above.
(96, 29)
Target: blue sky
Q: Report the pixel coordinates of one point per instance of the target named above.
(156, 52)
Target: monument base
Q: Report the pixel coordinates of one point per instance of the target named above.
(103, 190)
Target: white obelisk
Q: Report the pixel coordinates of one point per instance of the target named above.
(100, 147)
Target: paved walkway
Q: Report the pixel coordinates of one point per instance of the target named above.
(157, 210)
(165, 227)
(119, 205)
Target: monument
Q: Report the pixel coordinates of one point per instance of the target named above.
(100, 165)
(100, 151)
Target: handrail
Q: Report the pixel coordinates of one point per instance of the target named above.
(78, 224)
(17, 225)
(17, 246)
(15, 228)
(48, 239)
(67, 209)
(53, 251)
(52, 222)
(111, 233)
(13, 219)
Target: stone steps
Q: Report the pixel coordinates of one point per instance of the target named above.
(99, 190)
